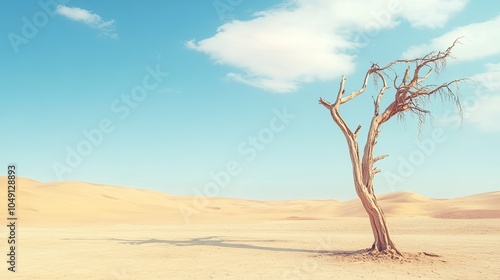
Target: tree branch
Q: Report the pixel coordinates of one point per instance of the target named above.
(425, 77)
(325, 103)
(405, 77)
(356, 93)
(340, 93)
(356, 131)
(430, 57)
(380, 94)
(379, 158)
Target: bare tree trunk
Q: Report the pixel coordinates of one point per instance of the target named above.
(363, 171)
(364, 189)
(382, 241)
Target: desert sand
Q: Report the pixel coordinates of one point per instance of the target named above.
(75, 230)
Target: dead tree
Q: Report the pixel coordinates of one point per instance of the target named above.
(411, 93)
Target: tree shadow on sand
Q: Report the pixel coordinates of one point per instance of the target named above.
(223, 242)
(217, 241)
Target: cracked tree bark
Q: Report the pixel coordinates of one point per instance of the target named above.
(408, 98)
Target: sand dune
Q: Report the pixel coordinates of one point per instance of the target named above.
(76, 230)
(78, 202)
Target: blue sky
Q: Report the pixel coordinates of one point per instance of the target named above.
(220, 97)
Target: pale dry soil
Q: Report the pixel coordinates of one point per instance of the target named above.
(301, 249)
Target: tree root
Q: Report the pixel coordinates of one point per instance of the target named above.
(387, 256)
(392, 253)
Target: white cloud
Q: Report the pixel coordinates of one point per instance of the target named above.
(487, 116)
(489, 80)
(485, 113)
(303, 41)
(430, 13)
(479, 41)
(93, 20)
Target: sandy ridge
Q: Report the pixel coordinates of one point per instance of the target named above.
(85, 203)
